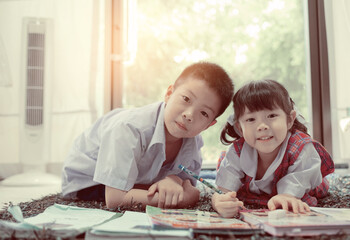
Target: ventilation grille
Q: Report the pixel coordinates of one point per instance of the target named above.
(35, 78)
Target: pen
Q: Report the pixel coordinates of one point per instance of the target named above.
(208, 184)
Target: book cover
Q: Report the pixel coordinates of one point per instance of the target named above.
(319, 221)
(198, 221)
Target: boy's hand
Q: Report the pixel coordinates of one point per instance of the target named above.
(170, 191)
(227, 205)
(286, 202)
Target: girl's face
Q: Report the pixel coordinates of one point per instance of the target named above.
(266, 130)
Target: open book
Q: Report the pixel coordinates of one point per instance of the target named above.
(198, 221)
(319, 221)
(134, 225)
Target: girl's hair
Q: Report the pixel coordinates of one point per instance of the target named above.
(257, 96)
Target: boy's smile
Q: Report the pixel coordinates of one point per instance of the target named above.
(181, 126)
(190, 108)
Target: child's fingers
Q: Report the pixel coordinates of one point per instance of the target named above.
(152, 190)
(232, 194)
(303, 207)
(285, 205)
(181, 197)
(169, 198)
(296, 207)
(161, 199)
(229, 208)
(306, 207)
(271, 205)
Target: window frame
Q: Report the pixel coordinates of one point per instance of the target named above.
(319, 71)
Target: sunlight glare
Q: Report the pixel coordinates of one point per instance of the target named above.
(240, 54)
(275, 5)
(191, 56)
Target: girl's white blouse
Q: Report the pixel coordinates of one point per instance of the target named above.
(303, 175)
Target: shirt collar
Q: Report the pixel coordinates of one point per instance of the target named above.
(159, 131)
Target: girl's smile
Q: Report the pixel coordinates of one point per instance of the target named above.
(265, 130)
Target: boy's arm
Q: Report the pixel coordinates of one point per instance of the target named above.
(191, 194)
(167, 193)
(170, 191)
(116, 197)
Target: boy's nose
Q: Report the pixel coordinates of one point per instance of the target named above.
(187, 116)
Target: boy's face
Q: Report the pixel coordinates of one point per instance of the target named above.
(190, 109)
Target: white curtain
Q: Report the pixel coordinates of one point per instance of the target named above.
(338, 39)
(77, 78)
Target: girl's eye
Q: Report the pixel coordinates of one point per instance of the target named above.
(272, 115)
(186, 99)
(205, 114)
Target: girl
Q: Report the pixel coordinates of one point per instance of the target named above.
(272, 161)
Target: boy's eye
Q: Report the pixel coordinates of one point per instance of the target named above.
(204, 114)
(272, 115)
(250, 120)
(185, 98)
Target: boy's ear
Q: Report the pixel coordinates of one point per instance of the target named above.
(291, 119)
(169, 91)
(212, 123)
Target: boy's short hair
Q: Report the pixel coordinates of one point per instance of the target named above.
(216, 78)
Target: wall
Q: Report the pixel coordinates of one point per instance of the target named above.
(76, 80)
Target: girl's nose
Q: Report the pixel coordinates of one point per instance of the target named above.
(262, 126)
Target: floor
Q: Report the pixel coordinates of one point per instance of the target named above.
(28, 186)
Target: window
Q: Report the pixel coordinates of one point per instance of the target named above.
(251, 39)
(338, 36)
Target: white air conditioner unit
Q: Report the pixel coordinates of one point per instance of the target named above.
(35, 107)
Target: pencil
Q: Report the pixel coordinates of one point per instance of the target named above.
(208, 184)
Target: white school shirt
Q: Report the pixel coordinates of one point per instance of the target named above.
(303, 175)
(126, 147)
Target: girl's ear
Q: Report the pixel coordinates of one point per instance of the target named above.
(237, 128)
(291, 119)
(168, 93)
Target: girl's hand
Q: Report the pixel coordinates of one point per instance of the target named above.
(227, 205)
(170, 191)
(286, 202)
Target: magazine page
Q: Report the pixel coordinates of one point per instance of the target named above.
(280, 222)
(133, 224)
(340, 214)
(195, 219)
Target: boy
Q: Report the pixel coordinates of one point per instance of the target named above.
(132, 155)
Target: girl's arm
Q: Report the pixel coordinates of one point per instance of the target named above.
(287, 202)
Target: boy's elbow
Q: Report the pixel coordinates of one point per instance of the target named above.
(112, 203)
(114, 197)
(191, 198)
